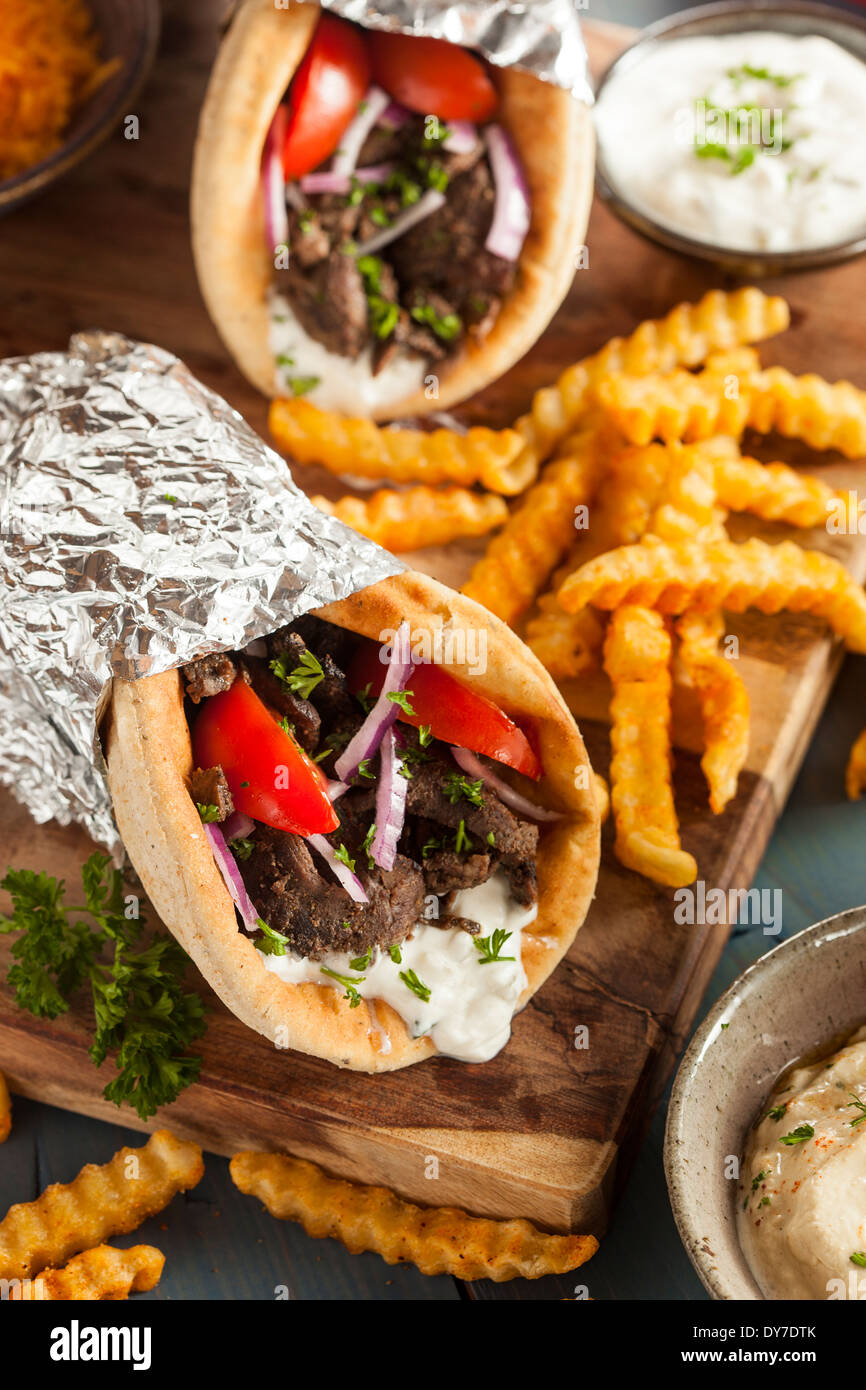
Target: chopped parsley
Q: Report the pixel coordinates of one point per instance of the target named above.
(459, 788)
(491, 839)
(401, 698)
(446, 327)
(242, 849)
(283, 360)
(208, 813)
(361, 962)
(858, 1257)
(778, 79)
(758, 1179)
(351, 994)
(462, 842)
(302, 385)
(778, 1112)
(425, 735)
(364, 770)
(490, 947)
(343, 855)
(303, 678)
(798, 1135)
(368, 840)
(394, 953)
(411, 981)
(270, 943)
(857, 1104)
(286, 725)
(365, 699)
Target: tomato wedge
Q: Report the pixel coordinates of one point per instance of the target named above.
(454, 713)
(433, 77)
(270, 777)
(326, 89)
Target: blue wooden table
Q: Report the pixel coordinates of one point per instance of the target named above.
(220, 1245)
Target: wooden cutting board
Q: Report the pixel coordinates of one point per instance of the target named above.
(541, 1130)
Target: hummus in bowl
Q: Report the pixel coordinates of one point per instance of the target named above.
(802, 1213)
(801, 1000)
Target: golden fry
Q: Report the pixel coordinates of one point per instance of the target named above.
(418, 516)
(683, 406)
(568, 644)
(776, 492)
(439, 1240)
(637, 653)
(719, 574)
(724, 703)
(367, 450)
(100, 1202)
(855, 773)
(96, 1275)
(735, 362)
(687, 507)
(684, 337)
(520, 560)
(5, 1109)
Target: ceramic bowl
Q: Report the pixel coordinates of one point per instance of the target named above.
(809, 991)
(796, 17)
(130, 31)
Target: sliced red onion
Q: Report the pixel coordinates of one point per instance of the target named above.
(326, 181)
(431, 201)
(336, 789)
(295, 198)
(511, 210)
(352, 884)
(374, 104)
(395, 116)
(390, 802)
(461, 137)
(227, 865)
(274, 183)
(383, 713)
(238, 826)
(471, 763)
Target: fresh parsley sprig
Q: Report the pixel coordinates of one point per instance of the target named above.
(301, 679)
(490, 947)
(144, 1017)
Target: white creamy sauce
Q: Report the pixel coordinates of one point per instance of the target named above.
(802, 1203)
(343, 384)
(789, 175)
(469, 1012)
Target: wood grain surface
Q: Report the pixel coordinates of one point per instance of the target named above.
(537, 1131)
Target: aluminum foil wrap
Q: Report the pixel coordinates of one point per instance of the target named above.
(142, 523)
(541, 36)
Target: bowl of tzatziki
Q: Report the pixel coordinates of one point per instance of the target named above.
(735, 133)
(765, 1146)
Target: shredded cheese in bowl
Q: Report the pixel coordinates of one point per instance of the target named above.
(49, 66)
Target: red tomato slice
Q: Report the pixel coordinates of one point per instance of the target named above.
(454, 713)
(324, 96)
(433, 77)
(270, 777)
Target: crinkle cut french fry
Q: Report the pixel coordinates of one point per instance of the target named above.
(855, 773)
(418, 516)
(684, 337)
(719, 574)
(776, 492)
(5, 1109)
(602, 796)
(724, 703)
(438, 1240)
(637, 654)
(686, 407)
(99, 1275)
(367, 450)
(101, 1202)
(520, 560)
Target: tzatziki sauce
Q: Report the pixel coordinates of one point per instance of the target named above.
(306, 367)
(750, 141)
(471, 1003)
(801, 1209)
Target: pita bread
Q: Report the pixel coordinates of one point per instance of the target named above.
(149, 756)
(554, 137)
